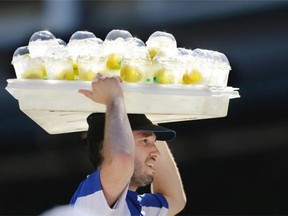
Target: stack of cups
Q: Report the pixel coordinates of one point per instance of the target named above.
(85, 49)
(157, 61)
(166, 67)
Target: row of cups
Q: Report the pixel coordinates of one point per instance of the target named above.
(157, 61)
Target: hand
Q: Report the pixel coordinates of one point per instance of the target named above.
(105, 89)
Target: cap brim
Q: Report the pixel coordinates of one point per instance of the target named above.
(162, 133)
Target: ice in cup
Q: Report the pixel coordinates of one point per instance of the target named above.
(191, 75)
(89, 66)
(214, 67)
(58, 64)
(27, 67)
(39, 42)
(162, 44)
(83, 44)
(136, 63)
(221, 69)
(167, 70)
(114, 48)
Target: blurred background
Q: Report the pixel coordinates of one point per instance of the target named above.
(231, 165)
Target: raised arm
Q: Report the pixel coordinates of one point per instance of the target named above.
(118, 145)
(167, 180)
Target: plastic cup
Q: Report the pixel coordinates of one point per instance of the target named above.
(82, 43)
(162, 43)
(39, 43)
(58, 64)
(115, 46)
(213, 66)
(167, 71)
(136, 71)
(89, 66)
(27, 67)
(136, 63)
(191, 75)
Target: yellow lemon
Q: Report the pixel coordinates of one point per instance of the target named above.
(163, 77)
(44, 72)
(87, 75)
(65, 75)
(153, 52)
(192, 77)
(113, 61)
(75, 68)
(33, 74)
(130, 74)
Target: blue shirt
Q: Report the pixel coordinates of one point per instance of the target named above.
(90, 198)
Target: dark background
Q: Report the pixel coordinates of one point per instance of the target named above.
(231, 165)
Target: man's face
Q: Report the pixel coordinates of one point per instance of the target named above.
(146, 154)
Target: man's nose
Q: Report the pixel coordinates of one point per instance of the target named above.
(154, 152)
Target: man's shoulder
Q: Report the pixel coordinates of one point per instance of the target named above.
(90, 185)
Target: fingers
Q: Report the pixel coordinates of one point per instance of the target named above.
(99, 76)
(86, 92)
(104, 88)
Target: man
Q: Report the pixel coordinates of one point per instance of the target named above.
(126, 155)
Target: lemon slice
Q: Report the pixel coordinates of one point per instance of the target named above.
(130, 74)
(163, 77)
(87, 75)
(33, 74)
(113, 61)
(193, 77)
(75, 68)
(65, 75)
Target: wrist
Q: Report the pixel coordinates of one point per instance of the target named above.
(115, 102)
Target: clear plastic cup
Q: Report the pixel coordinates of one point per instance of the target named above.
(83, 43)
(39, 43)
(191, 75)
(114, 48)
(213, 65)
(136, 71)
(161, 43)
(27, 67)
(167, 70)
(58, 64)
(136, 63)
(89, 66)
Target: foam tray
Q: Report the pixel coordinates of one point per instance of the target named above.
(58, 107)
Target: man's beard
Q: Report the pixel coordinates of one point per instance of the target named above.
(140, 179)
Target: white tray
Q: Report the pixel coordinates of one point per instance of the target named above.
(57, 107)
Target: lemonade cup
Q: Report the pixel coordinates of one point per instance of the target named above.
(25, 66)
(167, 71)
(28, 68)
(89, 66)
(59, 69)
(58, 64)
(160, 41)
(135, 71)
(82, 43)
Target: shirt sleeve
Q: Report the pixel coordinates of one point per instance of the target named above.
(89, 186)
(153, 204)
(89, 197)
